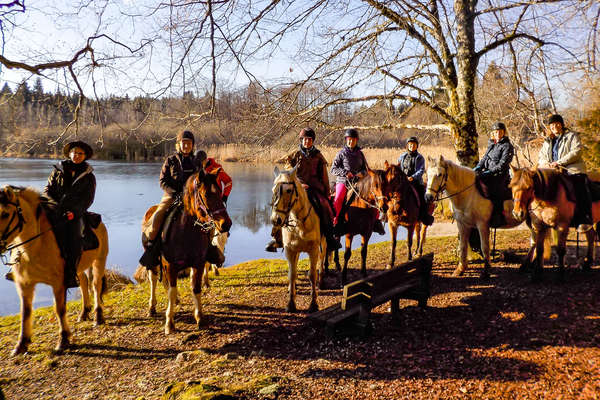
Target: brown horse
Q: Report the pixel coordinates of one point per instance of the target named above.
(186, 242)
(402, 210)
(362, 213)
(26, 231)
(541, 195)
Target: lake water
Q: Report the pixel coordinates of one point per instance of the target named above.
(123, 194)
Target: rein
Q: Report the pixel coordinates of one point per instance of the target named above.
(210, 224)
(275, 204)
(442, 188)
(352, 188)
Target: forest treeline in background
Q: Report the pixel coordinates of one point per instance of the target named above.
(244, 126)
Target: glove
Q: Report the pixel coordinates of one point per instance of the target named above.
(69, 216)
(477, 168)
(486, 173)
(224, 198)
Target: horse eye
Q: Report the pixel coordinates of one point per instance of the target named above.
(289, 190)
(4, 215)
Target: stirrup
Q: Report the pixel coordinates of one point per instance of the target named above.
(584, 228)
(272, 246)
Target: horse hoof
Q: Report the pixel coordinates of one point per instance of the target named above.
(152, 312)
(170, 328)
(99, 317)
(291, 308)
(20, 348)
(457, 272)
(389, 266)
(63, 344)
(314, 307)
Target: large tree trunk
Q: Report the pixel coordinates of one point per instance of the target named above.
(465, 133)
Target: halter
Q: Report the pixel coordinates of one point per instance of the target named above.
(286, 212)
(442, 188)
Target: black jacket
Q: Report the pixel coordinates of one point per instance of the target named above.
(175, 172)
(75, 192)
(498, 157)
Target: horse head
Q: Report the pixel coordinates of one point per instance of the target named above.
(202, 199)
(379, 189)
(395, 183)
(11, 216)
(522, 187)
(437, 177)
(285, 195)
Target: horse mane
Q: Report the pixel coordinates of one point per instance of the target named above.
(28, 194)
(363, 186)
(290, 177)
(543, 181)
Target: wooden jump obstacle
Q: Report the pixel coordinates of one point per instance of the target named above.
(406, 281)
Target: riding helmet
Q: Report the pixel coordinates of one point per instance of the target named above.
(82, 145)
(307, 133)
(353, 133)
(413, 139)
(498, 126)
(186, 135)
(555, 118)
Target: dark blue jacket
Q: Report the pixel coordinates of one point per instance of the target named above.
(413, 165)
(348, 160)
(497, 157)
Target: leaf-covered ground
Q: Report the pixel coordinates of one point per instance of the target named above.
(499, 339)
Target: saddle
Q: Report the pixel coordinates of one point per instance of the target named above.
(91, 221)
(494, 189)
(546, 186)
(172, 214)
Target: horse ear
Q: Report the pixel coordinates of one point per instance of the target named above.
(513, 168)
(386, 165)
(293, 172)
(276, 171)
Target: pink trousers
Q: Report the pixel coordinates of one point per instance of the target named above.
(338, 202)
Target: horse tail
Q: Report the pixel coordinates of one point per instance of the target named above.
(475, 242)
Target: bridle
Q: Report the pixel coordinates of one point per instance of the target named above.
(352, 188)
(442, 188)
(18, 214)
(277, 195)
(209, 224)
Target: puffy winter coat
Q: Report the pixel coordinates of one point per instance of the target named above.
(348, 160)
(311, 168)
(72, 187)
(569, 153)
(497, 157)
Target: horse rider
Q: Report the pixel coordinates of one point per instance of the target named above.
(494, 170)
(349, 166)
(71, 188)
(223, 179)
(412, 164)
(311, 170)
(176, 169)
(562, 150)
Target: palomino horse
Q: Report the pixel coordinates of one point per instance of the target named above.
(402, 210)
(37, 259)
(186, 242)
(542, 195)
(293, 212)
(471, 210)
(362, 213)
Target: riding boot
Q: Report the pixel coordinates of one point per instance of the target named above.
(378, 227)
(70, 278)
(215, 256)
(424, 215)
(497, 220)
(276, 242)
(151, 256)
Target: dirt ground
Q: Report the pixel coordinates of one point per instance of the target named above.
(503, 338)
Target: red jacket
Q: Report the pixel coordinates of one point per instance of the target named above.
(213, 167)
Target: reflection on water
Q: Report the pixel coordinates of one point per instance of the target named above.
(126, 190)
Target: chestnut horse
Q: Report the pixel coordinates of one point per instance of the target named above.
(26, 231)
(402, 210)
(367, 200)
(186, 242)
(547, 206)
(293, 212)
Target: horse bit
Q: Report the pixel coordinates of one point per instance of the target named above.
(205, 226)
(286, 212)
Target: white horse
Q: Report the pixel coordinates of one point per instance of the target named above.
(471, 210)
(25, 228)
(292, 211)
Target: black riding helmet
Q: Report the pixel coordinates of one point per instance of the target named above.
(186, 135)
(556, 118)
(498, 126)
(307, 133)
(413, 139)
(353, 133)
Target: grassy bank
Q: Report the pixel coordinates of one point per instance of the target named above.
(503, 338)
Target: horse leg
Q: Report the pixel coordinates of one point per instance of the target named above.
(98, 281)
(463, 242)
(527, 262)
(60, 307)
(410, 229)
(336, 260)
(394, 237)
(589, 258)
(26, 296)
(152, 278)
(347, 254)
(364, 248)
(561, 250)
(314, 258)
(196, 280)
(323, 255)
(292, 258)
(171, 277)
(205, 271)
(538, 263)
(484, 234)
(418, 231)
(85, 297)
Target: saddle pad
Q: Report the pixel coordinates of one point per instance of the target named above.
(595, 190)
(172, 212)
(493, 191)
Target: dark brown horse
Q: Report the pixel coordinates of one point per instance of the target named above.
(402, 210)
(186, 242)
(361, 215)
(540, 195)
